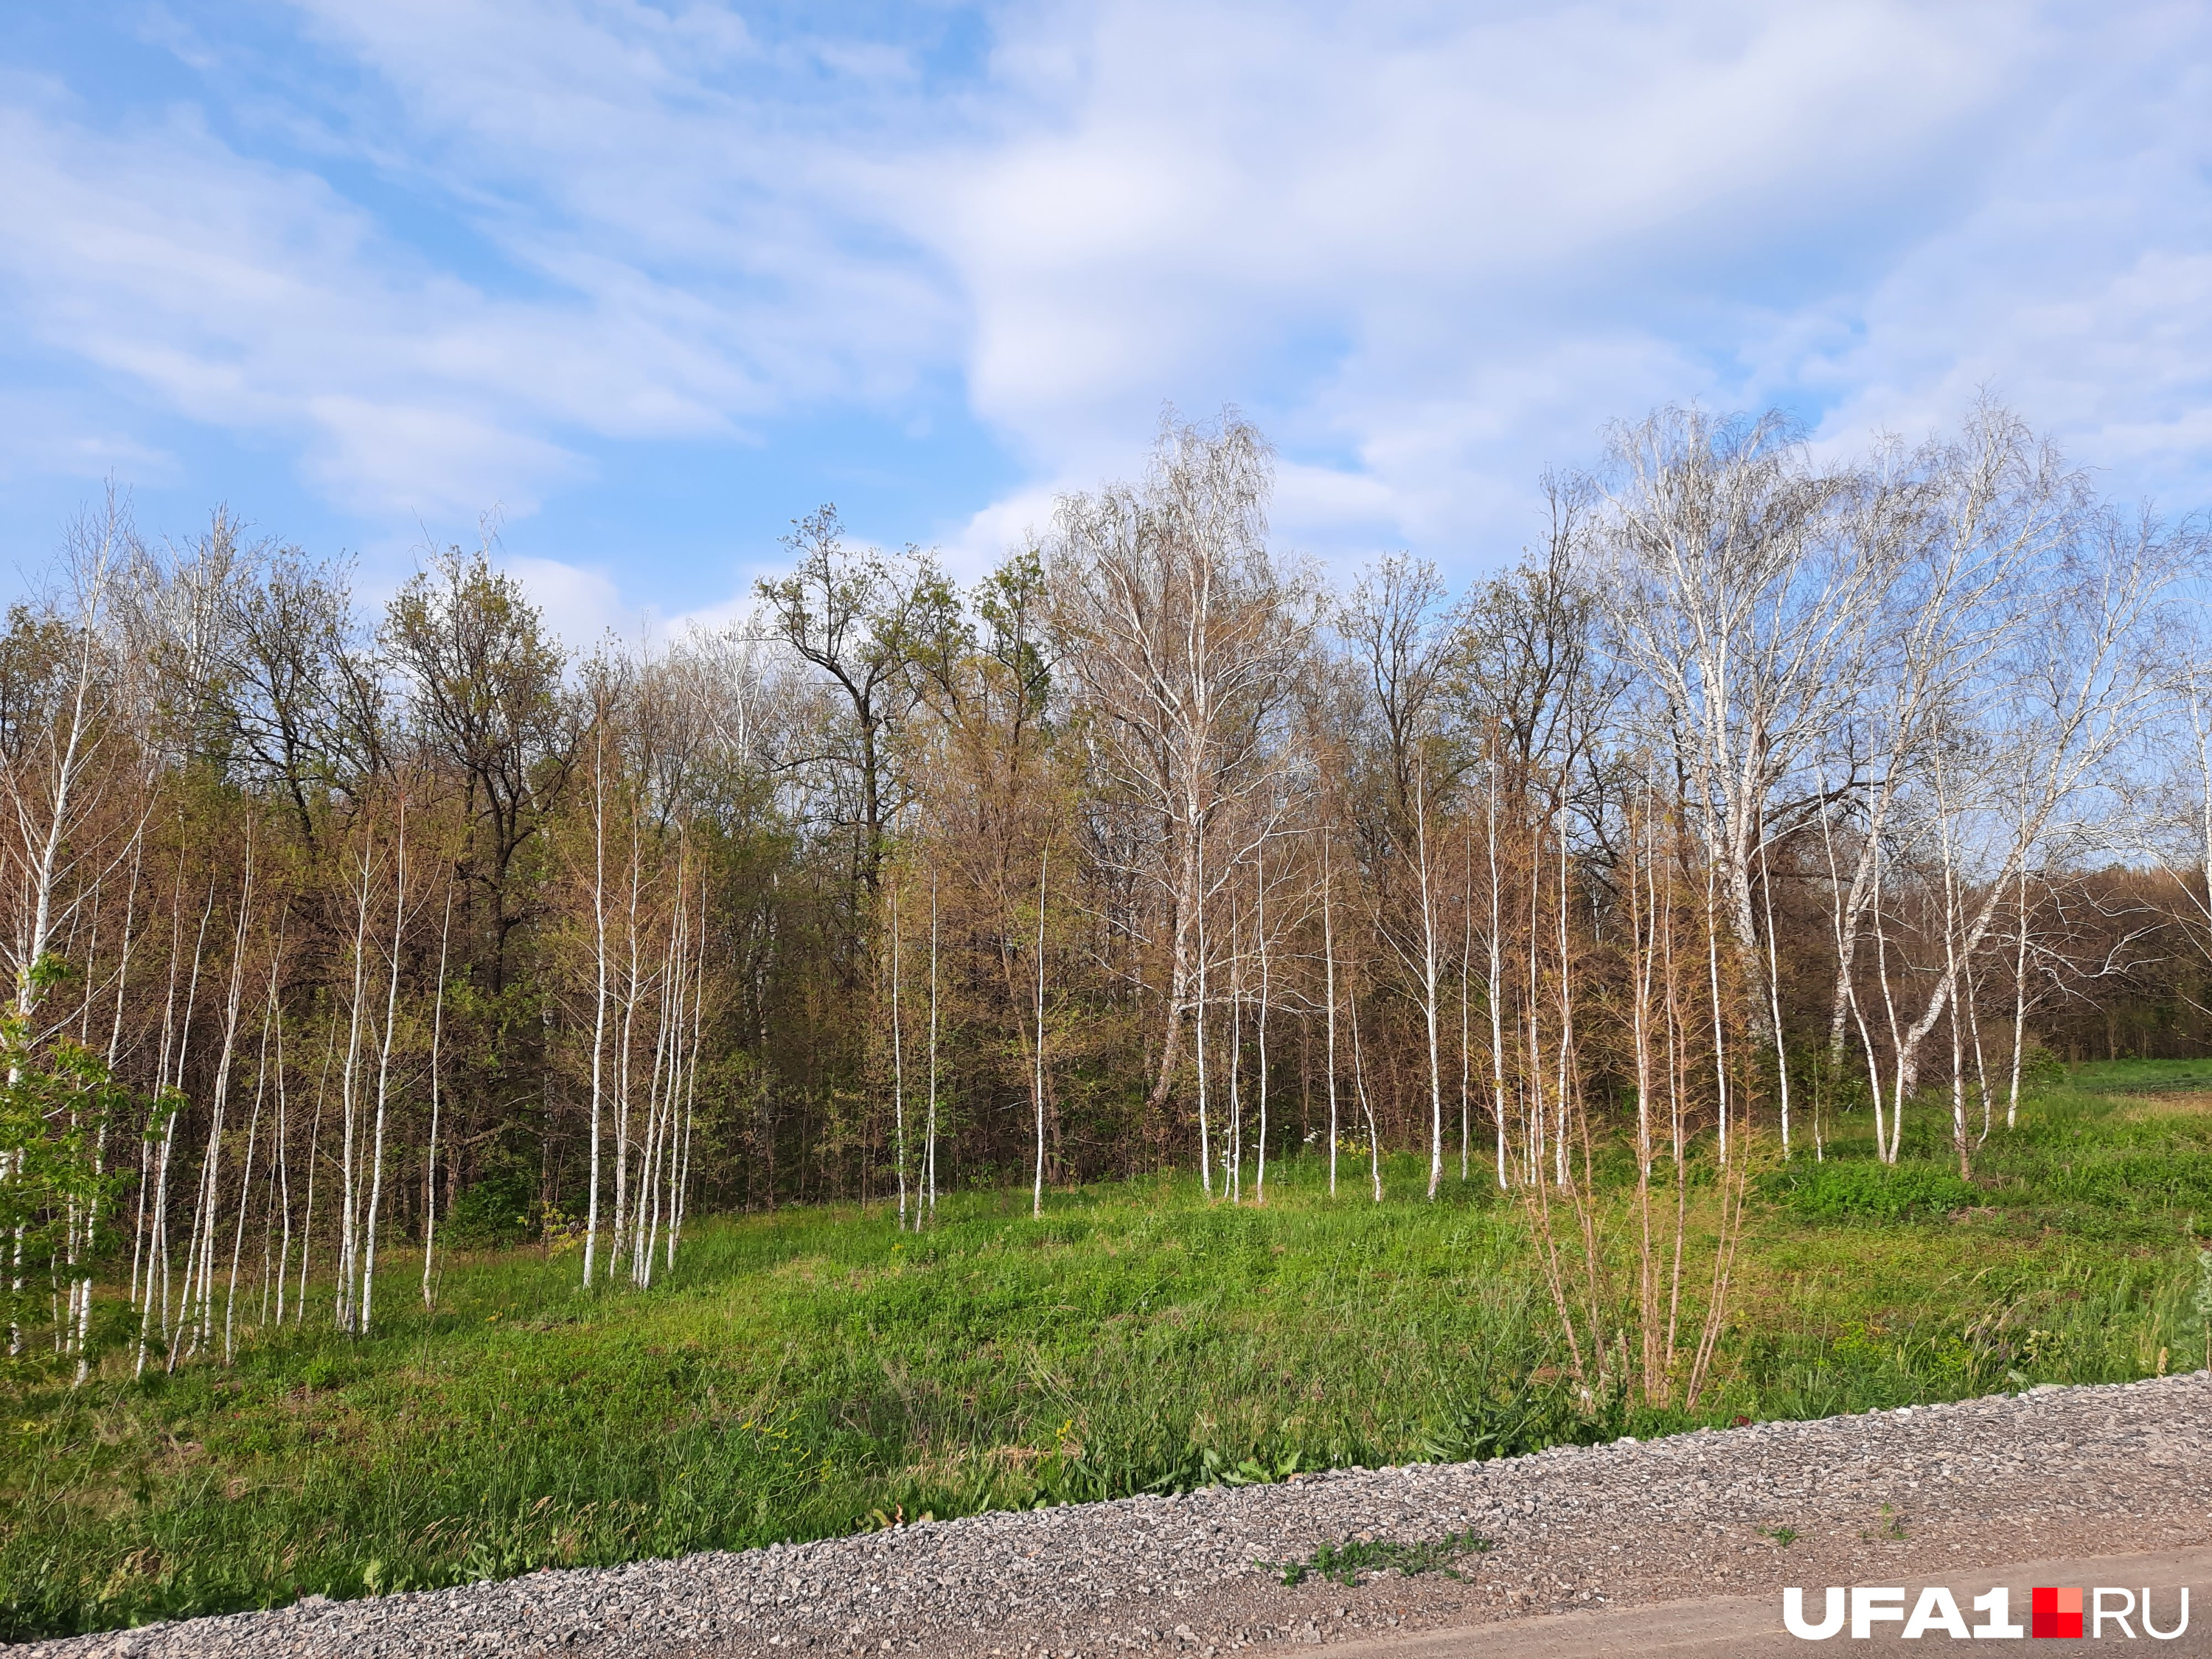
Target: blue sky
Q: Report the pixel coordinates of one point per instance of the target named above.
(646, 282)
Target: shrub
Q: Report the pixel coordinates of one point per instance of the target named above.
(1837, 1191)
(499, 1210)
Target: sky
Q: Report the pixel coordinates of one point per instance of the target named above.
(635, 285)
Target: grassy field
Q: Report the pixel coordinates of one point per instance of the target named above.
(813, 1372)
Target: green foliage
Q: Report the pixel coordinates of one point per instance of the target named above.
(1839, 1191)
(2039, 1068)
(2063, 1261)
(57, 1104)
(1343, 1563)
(813, 1372)
(1513, 1416)
(499, 1209)
(801, 1373)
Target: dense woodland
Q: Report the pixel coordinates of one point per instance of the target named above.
(1764, 787)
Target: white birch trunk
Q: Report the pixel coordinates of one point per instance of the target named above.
(599, 997)
(1429, 990)
(1260, 938)
(384, 1071)
(1366, 1105)
(898, 1056)
(930, 1143)
(1328, 956)
(348, 1197)
(1497, 979)
(430, 1153)
(1036, 1198)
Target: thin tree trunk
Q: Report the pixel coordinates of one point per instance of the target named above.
(283, 1173)
(1259, 938)
(1232, 1162)
(660, 1095)
(1567, 1047)
(1466, 1015)
(1538, 1111)
(1205, 1128)
(315, 1140)
(114, 1045)
(199, 1257)
(1429, 991)
(1496, 981)
(384, 1070)
(139, 1241)
(1642, 935)
(898, 1053)
(599, 996)
(1678, 1062)
(246, 1180)
(930, 1145)
(1887, 1149)
(1366, 1105)
(1973, 1000)
(625, 1050)
(1713, 970)
(2020, 1002)
(184, 1040)
(1329, 955)
(348, 1243)
(430, 1154)
(1774, 991)
(1036, 1198)
(681, 1197)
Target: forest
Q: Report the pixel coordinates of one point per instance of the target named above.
(1770, 796)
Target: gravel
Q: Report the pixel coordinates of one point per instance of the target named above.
(2092, 1470)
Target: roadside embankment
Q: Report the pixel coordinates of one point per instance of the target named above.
(1913, 1495)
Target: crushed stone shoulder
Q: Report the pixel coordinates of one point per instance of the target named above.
(2102, 1466)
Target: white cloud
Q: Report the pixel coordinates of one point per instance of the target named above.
(2080, 289)
(46, 430)
(1005, 527)
(1508, 224)
(1227, 171)
(257, 298)
(580, 606)
(1432, 247)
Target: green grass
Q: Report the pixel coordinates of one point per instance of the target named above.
(814, 1372)
(1342, 1564)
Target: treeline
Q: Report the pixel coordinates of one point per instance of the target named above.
(1765, 788)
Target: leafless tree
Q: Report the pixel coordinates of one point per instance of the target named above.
(1184, 638)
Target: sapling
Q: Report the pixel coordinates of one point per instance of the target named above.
(1366, 1106)
(1496, 987)
(1429, 982)
(929, 1141)
(431, 1155)
(1260, 937)
(898, 1058)
(1037, 1202)
(1329, 955)
(384, 1074)
(1232, 1158)
(599, 988)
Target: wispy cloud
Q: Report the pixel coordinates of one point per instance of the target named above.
(439, 256)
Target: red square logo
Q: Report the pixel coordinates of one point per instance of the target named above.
(2054, 1612)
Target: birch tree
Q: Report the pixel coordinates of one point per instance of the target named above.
(1730, 591)
(1183, 639)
